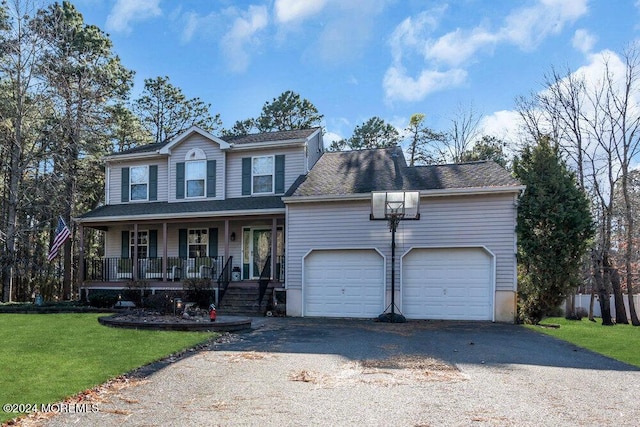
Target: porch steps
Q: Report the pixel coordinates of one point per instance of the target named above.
(241, 298)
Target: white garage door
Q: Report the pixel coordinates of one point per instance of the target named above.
(343, 283)
(452, 284)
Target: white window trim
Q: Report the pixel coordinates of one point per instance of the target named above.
(186, 181)
(273, 175)
(131, 243)
(146, 167)
(206, 244)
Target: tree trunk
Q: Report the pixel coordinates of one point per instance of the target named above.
(603, 293)
(592, 301)
(612, 274)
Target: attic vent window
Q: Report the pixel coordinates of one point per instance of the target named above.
(195, 154)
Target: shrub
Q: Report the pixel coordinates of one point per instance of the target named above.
(135, 291)
(198, 291)
(161, 302)
(102, 299)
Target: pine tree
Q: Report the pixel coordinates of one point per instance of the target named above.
(554, 228)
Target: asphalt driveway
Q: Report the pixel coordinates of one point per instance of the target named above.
(290, 372)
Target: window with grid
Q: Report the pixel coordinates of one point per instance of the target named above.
(195, 178)
(262, 174)
(198, 243)
(139, 182)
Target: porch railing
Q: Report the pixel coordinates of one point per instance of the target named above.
(224, 279)
(117, 269)
(265, 278)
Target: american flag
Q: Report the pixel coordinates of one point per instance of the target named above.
(62, 234)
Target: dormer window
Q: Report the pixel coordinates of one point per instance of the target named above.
(262, 175)
(195, 178)
(139, 183)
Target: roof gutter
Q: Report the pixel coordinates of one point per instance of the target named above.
(423, 193)
(134, 156)
(268, 144)
(178, 215)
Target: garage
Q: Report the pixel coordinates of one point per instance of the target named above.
(343, 283)
(447, 284)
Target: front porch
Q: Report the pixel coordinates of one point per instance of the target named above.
(163, 255)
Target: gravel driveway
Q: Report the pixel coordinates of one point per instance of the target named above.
(289, 372)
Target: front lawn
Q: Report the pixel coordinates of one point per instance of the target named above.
(47, 357)
(619, 342)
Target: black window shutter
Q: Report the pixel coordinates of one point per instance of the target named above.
(124, 186)
(182, 243)
(124, 252)
(246, 176)
(153, 182)
(180, 180)
(211, 178)
(153, 243)
(213, 242)
(279, 174)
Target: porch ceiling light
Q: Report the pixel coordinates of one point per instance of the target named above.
(394, 206)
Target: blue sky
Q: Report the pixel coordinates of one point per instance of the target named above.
(355, 59)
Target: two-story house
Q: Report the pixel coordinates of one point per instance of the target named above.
(274, 205)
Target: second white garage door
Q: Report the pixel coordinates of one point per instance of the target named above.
(344, 283)
(451, 284)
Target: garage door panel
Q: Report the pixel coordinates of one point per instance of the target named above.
(351, 280)
(451, 283)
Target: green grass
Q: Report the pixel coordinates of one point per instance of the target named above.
(47, 357)
(620, 342)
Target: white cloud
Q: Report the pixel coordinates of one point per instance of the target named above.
(208, 25)
(527, 27)
(411, 36)
(242, 35)
(287, 11)
(504, 125)
(583, 41)
(459, 46)
(400, 86)
(125, 12)
(444, 57)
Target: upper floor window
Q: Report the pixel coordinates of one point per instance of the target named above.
(195, 178)
(262, 174)
(139, 182)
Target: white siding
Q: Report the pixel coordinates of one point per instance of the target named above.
(115, 178)
(294, 166)
(465, 221)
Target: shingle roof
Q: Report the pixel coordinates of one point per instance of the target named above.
(202, 207)
(284, 135)
(142, 148)
(363, 171)
(280, 136)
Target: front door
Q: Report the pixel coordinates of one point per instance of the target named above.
(256, 248)
(260, 251)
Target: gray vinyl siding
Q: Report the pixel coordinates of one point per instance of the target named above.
(294, 166)
(211, 150)
(114, 177)
(487, 221)
(315, 148)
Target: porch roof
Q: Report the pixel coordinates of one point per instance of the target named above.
(165, 210)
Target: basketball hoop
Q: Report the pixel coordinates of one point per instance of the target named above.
(394, 206)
